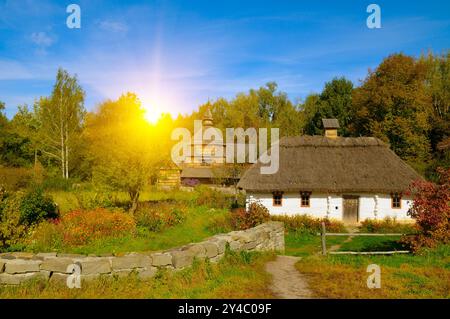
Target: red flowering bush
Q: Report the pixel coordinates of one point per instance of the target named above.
(431, 210)
(80, 227)
(157, 216)
(255, 215)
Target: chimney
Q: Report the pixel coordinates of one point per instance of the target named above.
(331, 126)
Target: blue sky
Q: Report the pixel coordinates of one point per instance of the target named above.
(178, 54)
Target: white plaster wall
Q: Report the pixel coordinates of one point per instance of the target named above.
(322, 205)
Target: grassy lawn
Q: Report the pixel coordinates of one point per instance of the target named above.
(238, 275)
(193, 229)
(402, 276)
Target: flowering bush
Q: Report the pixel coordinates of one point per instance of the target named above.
(386, 225)
(255, 215)
(80, 227)
(431, 210)
(156, 216)
(308, 224)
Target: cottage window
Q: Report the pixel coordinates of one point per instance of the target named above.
(277, 199)
(396, 200)
(304, 199)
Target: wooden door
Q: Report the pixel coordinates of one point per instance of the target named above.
(351, 209)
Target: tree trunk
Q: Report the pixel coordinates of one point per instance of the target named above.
(134, 201)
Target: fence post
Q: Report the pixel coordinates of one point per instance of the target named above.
(324, 242)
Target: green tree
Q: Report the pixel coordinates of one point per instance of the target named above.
(127, 151)
(60, 120)
(335, 101)
(393, 104)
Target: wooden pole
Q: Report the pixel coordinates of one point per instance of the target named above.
(324, 243)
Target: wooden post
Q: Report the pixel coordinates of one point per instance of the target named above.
(324, 242)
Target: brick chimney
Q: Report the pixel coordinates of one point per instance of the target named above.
(331, 126)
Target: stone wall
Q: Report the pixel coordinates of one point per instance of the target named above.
(16, 268)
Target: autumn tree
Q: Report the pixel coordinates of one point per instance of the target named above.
(126, 150)
(60, 118)
(392, 104)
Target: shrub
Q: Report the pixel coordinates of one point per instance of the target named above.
(431, 210)
(309, 225)
(13, 179)
(47, 236)
(58, 183)
(81, 227)
(220, 224)
(386, 225)
(99, 199)
(255, 215)
(159, 215)
(11, 229)
(35, 207)
(213, 198)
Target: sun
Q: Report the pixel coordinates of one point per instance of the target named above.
(152, 114)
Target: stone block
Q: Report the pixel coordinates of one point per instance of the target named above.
(2, 265)
(93, 266)
(17, 279)
(161, 259)
(181, 258)
(131, 261)
(57, 264)
(211, 249)
(147, 273)
(20, 266)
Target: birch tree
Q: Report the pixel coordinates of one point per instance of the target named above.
(61, 117)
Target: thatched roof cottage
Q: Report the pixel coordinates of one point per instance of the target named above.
(349, 179)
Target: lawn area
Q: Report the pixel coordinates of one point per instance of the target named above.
(237, 276)
(402, 276)
(193, 229)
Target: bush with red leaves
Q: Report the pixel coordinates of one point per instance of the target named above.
(431, 210)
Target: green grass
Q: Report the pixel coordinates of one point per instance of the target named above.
(237, 276)
(193, 229)
(372, 243)
(402, 276)
(300, 244)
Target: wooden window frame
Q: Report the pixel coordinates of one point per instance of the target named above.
(302, 194)
(273, 199)
(395, 196)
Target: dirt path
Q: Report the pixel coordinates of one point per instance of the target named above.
(287, 281)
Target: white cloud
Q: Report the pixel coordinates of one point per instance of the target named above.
(42, 39)
(113, 26)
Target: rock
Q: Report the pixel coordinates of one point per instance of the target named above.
(181, 258)
(23, 255)
(249, 246)
(122, 273)
(8, 257)
(161, 259)
(131, 261)
(211, 249)
(235, 245)
(196, 250)
(57, 264)
(92, 266)
(72, 256)
(20, 266)
(8, 279)
(2, 265)
(44, 256)
(148, 273)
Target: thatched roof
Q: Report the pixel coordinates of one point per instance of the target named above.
(197, 172)
(321, 164)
